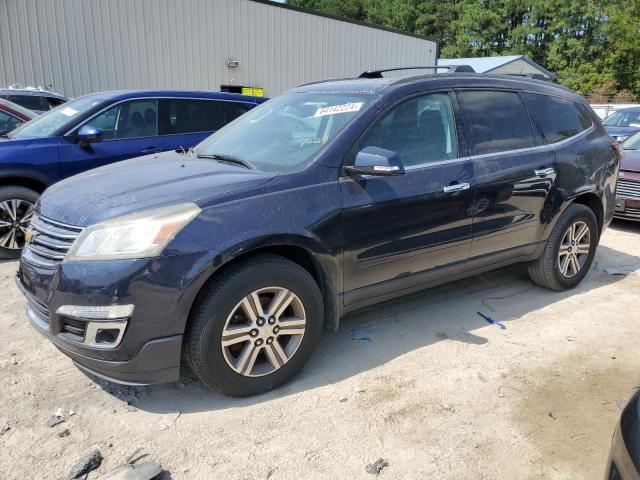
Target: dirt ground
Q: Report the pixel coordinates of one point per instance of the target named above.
(436, 392)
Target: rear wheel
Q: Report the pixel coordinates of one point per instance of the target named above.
(16, 209)
(569, 251)
(255, 327)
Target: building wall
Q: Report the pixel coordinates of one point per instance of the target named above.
(82, 46)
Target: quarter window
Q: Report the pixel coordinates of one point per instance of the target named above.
(188, 116)
(499, 121)
(30, 102)
(421, 130)
(559, 118)
(134, 119)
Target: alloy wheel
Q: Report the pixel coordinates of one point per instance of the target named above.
(15, 216)
(263, 331)
(574, 249)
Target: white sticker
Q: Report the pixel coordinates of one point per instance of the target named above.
(69, 112)
(333, 110)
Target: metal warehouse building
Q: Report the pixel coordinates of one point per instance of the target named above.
(81, 46)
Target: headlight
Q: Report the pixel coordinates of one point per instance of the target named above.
(140, 235)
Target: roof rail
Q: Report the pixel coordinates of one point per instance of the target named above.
(535, 76)
(435, 68)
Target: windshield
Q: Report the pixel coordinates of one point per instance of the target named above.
(623, 118)
(632, 143)
(285, 133)
(51, 121)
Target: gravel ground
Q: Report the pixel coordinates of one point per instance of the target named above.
(436, 392)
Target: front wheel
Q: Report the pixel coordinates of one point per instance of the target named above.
(16, 208)
(255, 327)
(569, 251)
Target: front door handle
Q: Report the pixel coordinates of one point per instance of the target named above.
(544, 172)
(456, 187)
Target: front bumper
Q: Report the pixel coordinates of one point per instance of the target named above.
(161, 289)
(627, 208)
(624, 456)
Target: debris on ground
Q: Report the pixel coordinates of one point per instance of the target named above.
(64, 433)
(63, 413)
(614, 271)
(131, 470)
(362, 333)
(621, 404)
(376, 467)
(55, 420)
(551, 415)
(86, 464)
(343, 399)
(492, 321)
(482, 378)
(4, 426)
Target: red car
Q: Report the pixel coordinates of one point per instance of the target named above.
(628, 191)
(13, 115)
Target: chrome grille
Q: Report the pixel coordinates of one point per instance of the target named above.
(632, 213)
(49, 241)
(628, 189)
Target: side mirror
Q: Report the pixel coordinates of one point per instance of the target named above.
(89, 134)
(376, 161)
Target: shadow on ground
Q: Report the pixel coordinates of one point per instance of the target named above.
(397, 327)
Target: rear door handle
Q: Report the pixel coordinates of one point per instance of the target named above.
(544, 172)
(456, 187)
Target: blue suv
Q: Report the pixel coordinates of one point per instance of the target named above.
(233, 256)
(95, 130)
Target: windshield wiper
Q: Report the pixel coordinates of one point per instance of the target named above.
(227, 158)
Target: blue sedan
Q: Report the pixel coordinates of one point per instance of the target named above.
(96, 130)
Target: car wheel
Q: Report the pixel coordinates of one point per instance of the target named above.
(16, 209)
(255, 327)
(569, 251)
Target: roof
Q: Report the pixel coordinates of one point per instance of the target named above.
(125, 94)
(345, 19)
(379, 85)
(38, 92)
(488, 64)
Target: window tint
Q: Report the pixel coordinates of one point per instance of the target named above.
(558, 118)
(138, 118)
(235, 109)
(31, 102)
(420, 130)
(8, 122)
(186, 116)
(499, 121)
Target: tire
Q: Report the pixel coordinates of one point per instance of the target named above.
(269, 277)
(551, 270)
(16, 208)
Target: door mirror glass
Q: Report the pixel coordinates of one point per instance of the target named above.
(376, 161)
(89, 134)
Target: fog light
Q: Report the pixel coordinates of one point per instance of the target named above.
(104, 334)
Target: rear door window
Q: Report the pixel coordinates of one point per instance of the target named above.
(559, 118)
(499, 121)
(192, 115)
(31, 102)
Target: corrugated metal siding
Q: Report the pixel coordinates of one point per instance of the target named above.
(82, 46)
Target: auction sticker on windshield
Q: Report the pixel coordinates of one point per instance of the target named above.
(69, 112)
(335, 109)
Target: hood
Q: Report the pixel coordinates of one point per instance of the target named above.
(630, 160)
(621, 131)
(143, 183)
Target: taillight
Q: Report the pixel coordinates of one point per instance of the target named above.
(618, 148)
